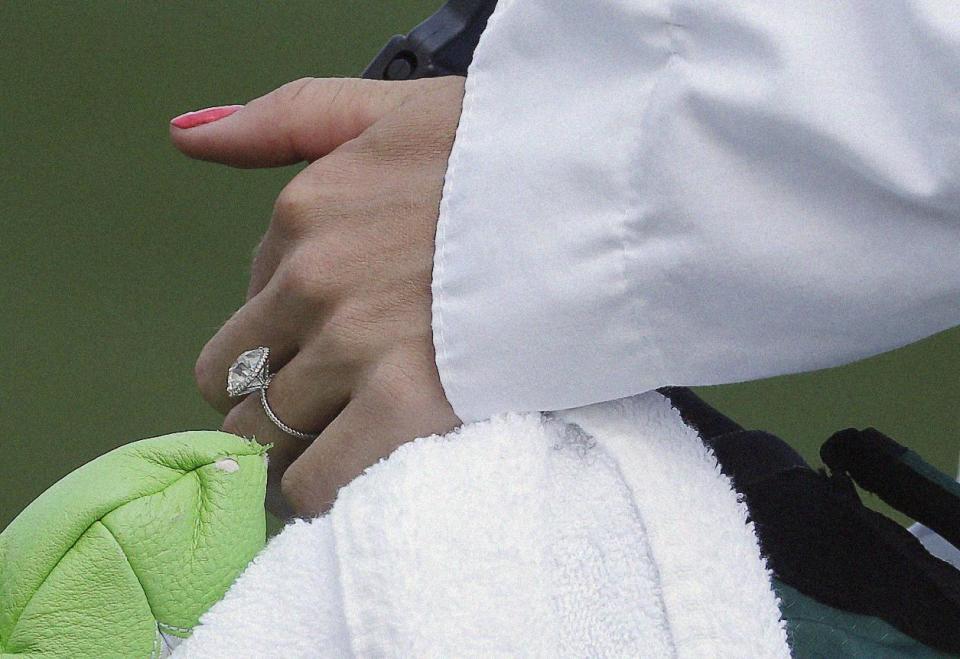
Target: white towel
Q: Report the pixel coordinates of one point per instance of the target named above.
(603, 531)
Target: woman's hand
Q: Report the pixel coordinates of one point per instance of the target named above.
(340, 284)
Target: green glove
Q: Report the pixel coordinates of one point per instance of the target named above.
(143, 539)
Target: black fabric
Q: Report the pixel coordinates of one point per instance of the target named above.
(876, 462)
(818, 537)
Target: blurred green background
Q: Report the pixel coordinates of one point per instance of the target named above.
(120, 257)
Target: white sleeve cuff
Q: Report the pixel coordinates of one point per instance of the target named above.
(526, 297)
(654, 192)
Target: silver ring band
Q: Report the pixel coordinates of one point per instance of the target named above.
(277, 422)
(251, 372)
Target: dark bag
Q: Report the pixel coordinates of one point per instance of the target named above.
(851, 581)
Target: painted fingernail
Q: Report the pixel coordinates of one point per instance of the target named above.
(205, 116)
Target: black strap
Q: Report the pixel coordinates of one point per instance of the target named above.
(898, 476)
(820, 539)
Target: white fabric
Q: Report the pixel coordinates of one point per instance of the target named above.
(517, 536)
(937, 544)
(691, 192)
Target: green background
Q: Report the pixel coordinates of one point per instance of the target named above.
(119, 257)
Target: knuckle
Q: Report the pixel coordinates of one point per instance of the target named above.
(294, 208)
(296, 284)
(295, 90)
(292, 200)
(321, 269)
(303, 278)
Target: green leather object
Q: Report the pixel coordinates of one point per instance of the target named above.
(143, 539)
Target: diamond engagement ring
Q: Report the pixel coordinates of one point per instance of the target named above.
(251, 372)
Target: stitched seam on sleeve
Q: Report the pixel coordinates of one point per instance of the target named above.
(467, 111)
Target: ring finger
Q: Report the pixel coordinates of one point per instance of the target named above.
(306, 395)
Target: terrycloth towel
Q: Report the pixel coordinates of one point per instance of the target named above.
(603, 531)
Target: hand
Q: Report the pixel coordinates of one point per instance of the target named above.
(340, 284)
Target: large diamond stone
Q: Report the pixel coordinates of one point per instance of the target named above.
(249, 372)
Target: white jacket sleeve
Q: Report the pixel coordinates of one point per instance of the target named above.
(688, 192)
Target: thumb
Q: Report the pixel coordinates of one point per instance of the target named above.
(302, 120)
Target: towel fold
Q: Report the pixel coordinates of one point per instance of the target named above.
(603, 531)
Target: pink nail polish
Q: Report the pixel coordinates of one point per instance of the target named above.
(205, 116)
